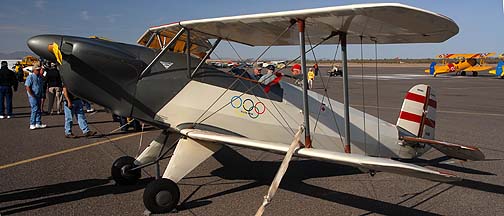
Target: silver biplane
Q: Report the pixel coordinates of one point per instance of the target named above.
(166, 83)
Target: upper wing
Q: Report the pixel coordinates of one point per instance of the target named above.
(465, 55)
(372, 21)
(360, 161)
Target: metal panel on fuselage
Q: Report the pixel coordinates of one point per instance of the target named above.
(276, 121)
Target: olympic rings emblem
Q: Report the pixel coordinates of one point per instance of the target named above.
(248, 106)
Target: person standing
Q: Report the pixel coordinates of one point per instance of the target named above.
(34, 85)
(316, 68)
(88, 106)
(73, 106)
(55, 90)
(311, 77)
(7, 82)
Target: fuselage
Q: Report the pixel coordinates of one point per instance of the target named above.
(109, 74)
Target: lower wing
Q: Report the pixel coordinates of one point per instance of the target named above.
(354, 160)
(479, 68)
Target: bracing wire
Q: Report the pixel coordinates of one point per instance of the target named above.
(238, 78)
(325, 90)
(236, 52)
(363, 96)
(274, 41)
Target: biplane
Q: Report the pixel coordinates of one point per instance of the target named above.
(472, 62)
(498, 69)
(165, 82)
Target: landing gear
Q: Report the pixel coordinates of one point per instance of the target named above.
(161, 196)
(475, 73)
(121, 171)
(463, 73)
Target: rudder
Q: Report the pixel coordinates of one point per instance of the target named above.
(432, 68)
(418, 112)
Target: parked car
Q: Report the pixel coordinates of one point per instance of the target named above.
(335, 71)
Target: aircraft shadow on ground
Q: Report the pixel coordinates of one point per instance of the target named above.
(39, 197)
(262, 173)
(440, 163)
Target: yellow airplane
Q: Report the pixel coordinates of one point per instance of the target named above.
(472, 62)
(498, 70)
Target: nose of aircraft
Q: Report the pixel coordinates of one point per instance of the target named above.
(39, 45)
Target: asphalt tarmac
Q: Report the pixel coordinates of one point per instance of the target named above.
(43, 173)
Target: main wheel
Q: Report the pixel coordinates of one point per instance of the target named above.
(161, 196)
(463, 73)
(475, 73)
(121, 171)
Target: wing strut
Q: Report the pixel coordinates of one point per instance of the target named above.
(216, 43)
(346, 102)
(306, 112)
(188, 50)
(280, 173)
(163, 51)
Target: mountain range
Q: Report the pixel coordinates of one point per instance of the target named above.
(15, 55)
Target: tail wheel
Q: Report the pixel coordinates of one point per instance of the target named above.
(121, 171)
(161, 196)
(463, 73)
(475, 73)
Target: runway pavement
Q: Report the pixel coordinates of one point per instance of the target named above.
(43, 173)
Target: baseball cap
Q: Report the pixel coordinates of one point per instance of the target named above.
(270, 67)
(296, 67)
(36, 66)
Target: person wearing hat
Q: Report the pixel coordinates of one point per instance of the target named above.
(269, 76)
(257, 73)
(296, 74)
(7, 82)
(34, 85)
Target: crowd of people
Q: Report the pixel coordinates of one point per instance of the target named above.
(270, 75)
(44, 80)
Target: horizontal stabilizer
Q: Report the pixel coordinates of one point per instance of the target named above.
(354, 160)
(450, 149)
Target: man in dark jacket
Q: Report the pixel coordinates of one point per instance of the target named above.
(54, 89)
(7, 82)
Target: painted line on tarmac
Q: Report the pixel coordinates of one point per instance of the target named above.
(69, 150)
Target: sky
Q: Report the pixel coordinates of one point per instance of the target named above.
(480, 23)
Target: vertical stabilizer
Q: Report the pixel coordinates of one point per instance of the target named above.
(498, 69)
(432, 68)
(418, 112)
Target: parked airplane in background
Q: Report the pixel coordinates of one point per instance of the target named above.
(472, 62)
(498, 70)
(208, 108)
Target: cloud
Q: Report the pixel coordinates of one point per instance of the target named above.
(112, 17)
(84, 15)
(40, 4)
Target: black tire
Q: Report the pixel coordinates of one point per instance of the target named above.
(475, 73)
(463, 73)
(120, 171)
(161, 196)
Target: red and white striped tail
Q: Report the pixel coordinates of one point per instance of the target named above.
(418, 112)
